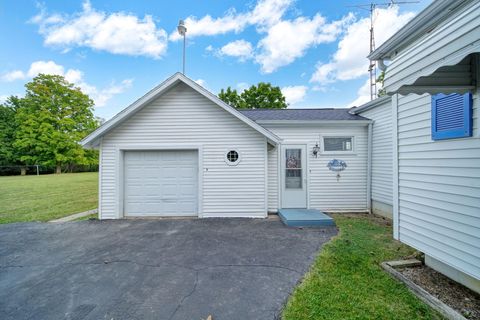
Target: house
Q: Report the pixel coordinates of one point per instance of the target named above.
(380, 112)
(180, 151)
(432, 72)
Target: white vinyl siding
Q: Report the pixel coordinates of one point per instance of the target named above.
(324, 191)
(182, 116)
(273, 179)
(439, 187)
(446, 44)
(382, 157)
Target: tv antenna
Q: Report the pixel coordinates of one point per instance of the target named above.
(372, 67)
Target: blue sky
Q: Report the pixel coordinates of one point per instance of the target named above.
(117, 50)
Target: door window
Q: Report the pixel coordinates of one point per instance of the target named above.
(293, 168)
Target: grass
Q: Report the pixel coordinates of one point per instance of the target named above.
(346, 281)
(47, 197)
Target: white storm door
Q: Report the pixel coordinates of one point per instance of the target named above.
(161, 183)
(294, 176)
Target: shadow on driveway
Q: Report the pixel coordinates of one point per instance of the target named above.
(153, 269)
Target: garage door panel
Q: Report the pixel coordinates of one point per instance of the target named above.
(160, 183)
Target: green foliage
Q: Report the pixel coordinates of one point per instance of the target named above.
(230, 97)
(381, 78)
(47, 197)
(347, 282)
(8, 127)
(261, 96)
(52, 118)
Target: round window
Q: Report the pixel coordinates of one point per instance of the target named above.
(232, 157)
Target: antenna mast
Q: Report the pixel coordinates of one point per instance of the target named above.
(372, 67)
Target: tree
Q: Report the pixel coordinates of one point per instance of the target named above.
(230, 97)
(52, 118)
(8, 126)
(262, 96)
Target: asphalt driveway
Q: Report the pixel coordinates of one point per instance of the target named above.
(153, 269)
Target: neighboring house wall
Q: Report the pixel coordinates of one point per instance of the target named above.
(183, 117)
(439, 187)
(324, 191)
(436, 185)
(446, 44)
(382, 157)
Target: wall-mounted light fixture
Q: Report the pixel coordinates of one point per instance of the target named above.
(316, 150)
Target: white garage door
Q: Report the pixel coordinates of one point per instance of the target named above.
(161, 183)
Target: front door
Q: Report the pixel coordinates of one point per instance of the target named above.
(294, 176)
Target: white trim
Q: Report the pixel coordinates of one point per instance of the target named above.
(279, 177)
(307, 173)
(266, 177)
(347, 152)
(395, 190)
(120, 151)
(477, 91)
(89, 141)
(234, 163)
(100, 184)
(432, 15)
(370, 105)
(317, 122)
(369, 166)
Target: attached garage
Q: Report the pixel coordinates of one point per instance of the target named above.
(161, 183)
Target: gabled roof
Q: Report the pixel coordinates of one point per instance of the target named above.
(422, 23)
(93, 138)
(324, 114)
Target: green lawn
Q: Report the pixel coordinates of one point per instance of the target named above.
(346, 281)
(47, 197)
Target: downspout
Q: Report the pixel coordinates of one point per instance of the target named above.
(369, 167)
(381, 65)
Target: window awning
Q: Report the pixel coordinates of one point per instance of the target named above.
(428, 64)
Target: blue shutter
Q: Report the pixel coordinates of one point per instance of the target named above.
(451, 116)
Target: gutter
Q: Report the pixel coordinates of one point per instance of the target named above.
(369, 166)
(371, 104)
(316, 122)
(422, 23)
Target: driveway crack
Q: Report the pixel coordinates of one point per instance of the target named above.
(186, 296)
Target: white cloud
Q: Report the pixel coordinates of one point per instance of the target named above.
(242, 86)
(265, 13)
(102, 96)
(75, 76)
(3, 98)
(289, 39)
(294, 94)
(46, 67)
(363, 95)
(118, 33)
(240, 49)
(13, 75)
(201, 82)
(349, 61)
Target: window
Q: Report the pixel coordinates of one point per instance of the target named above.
(232, 157)
(338, 144)
(451, 116)
(293, 168)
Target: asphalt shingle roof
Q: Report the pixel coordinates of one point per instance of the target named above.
(301, 114)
